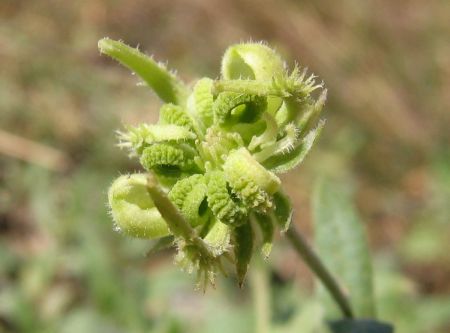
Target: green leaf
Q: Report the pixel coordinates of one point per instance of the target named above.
(342, 243)
(312, 113)
(165, 84)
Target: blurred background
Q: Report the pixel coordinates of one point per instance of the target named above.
(62, 268)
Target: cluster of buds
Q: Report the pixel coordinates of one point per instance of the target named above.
(211, 187)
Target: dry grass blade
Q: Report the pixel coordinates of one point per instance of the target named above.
(33, 152)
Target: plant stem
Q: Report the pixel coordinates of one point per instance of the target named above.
(317, 266)
(261, 297)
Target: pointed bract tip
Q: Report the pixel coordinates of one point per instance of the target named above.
(104, 44)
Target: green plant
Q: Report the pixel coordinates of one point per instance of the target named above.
(212, 160)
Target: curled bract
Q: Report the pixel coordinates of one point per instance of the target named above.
(253, 61)
(167, 158)
(133, 210)
(200, 102)
(214, 155)
(189, 195)
(144, 135)
(249, 180)
(175, 115)
(232, 108)
(225, 207)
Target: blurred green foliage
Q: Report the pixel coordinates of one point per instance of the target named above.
(63, 269)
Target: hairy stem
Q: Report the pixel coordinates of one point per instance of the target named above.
(323, 274)
(175, 220)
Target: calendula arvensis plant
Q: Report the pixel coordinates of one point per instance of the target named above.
(211, 187)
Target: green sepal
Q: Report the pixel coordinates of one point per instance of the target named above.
(133, 210)
(243, 249)
(282, 146)
(282, 210)
(285, 162)
(163, 82)
(267, 228)
(312, 113)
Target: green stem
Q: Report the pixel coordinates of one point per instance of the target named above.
(316, 265)
(173, 217)
(261, 297)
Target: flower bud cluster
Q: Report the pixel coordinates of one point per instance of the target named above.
(212, 160)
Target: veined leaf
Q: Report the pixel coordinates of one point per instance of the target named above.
(342, 243)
